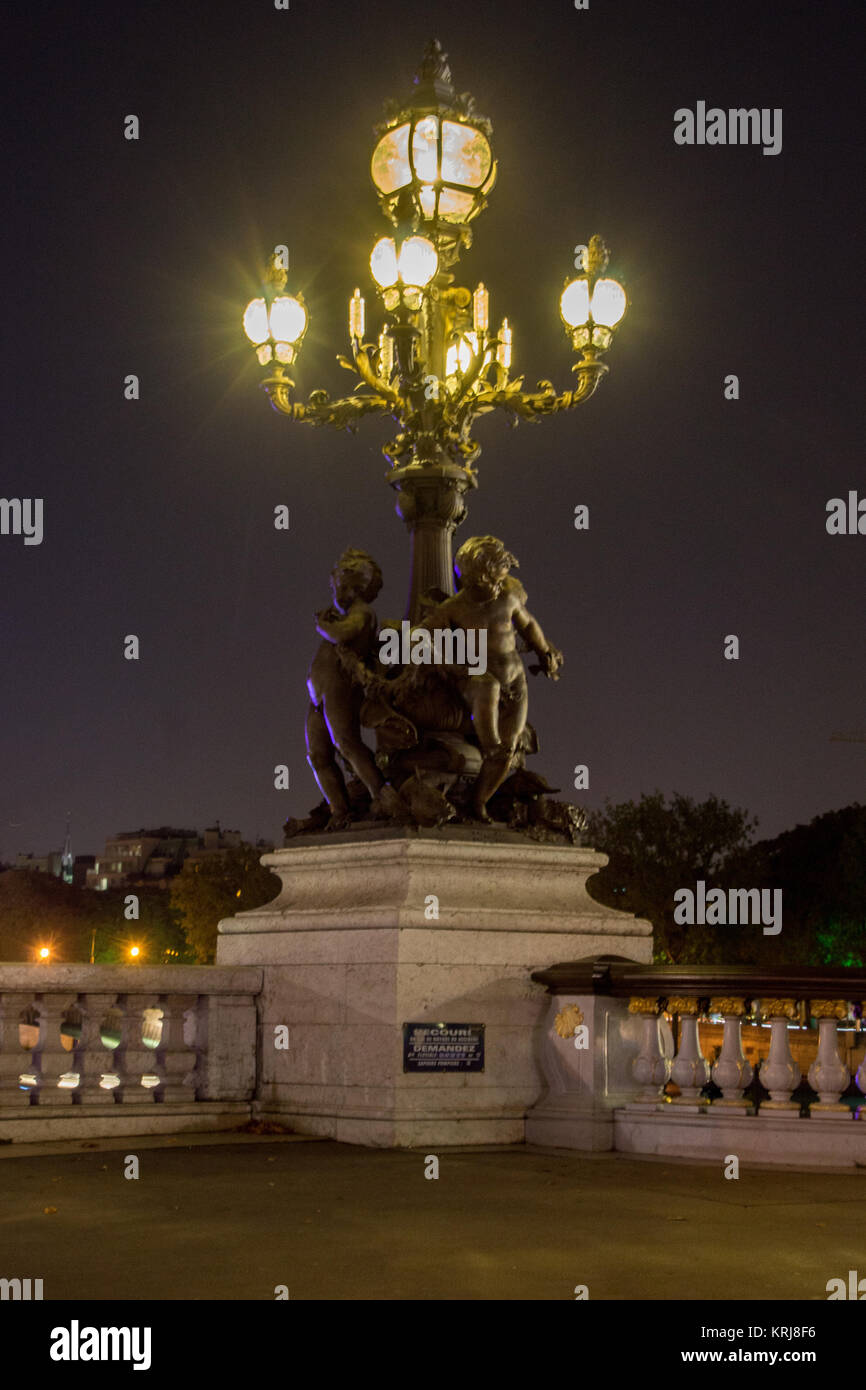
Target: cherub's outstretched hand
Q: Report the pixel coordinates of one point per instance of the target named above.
(551, 660)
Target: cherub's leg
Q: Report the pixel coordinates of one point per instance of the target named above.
(482, 696)
(346, 737)
(512, 714)
(320, 756)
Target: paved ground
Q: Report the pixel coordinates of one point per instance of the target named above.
(230, 1217)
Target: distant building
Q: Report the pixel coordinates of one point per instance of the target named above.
(141, 857)
(57, 862)
(50, 863)
(153, 857)
(215, 841)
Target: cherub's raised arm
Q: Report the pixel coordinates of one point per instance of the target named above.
(342, 629)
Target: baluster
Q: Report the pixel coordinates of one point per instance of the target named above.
(828, 1074)
(93, 1059)
(690, 1069)
(650, 1068)
(860, 1082)
(778, 1072)
(175, 1061)
(50, 1057)
(731, 1073)
(14, 1059)
(132, 1060)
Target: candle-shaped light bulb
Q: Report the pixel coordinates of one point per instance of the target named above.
(503, 352)
(356, 316)
(480, 309)
(386, 355)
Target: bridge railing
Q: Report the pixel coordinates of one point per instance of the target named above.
(632, 1061)
(80, 1042)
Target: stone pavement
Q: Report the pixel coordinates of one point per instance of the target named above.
(231, 1216)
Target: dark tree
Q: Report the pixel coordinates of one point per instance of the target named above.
(657, 846)
(209, 889)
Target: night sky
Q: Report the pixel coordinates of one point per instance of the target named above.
(707, 516)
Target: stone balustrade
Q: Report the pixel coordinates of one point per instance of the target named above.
(641, 1081)
(91, 1050)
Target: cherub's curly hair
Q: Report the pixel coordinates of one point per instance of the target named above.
(362, 566)
(479, 557)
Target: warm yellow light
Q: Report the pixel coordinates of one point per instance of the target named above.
(287, 319)
(608, 303)
(418, 261)
(284, 352)
(256, 321)
(481, 309)
(356, 316)
(134, 951)
(448, 165)
(386, 355)
(425, 155)
(454, 206)
(466, 157)
(503, 352)
(44, 953)
(390, 165)
(264, 353)
(574, 303)
(383, 262)
(459, 355)
(605, 306)
(415, 266)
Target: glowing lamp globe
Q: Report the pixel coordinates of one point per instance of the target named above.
(276, 331)
(591, 310)
(405, 273)
(445, 166)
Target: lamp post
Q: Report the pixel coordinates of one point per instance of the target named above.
(435, 365)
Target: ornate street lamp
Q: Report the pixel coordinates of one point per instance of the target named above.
(435, 365)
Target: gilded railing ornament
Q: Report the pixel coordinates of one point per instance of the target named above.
(567, 1020)
(828, 1008)
(779, 1008)
(640, 1004)
(728, 1005)
(683, 1005)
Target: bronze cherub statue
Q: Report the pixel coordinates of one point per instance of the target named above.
(490, 599)
(333, 718)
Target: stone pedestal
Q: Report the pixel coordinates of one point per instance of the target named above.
(352, 949)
